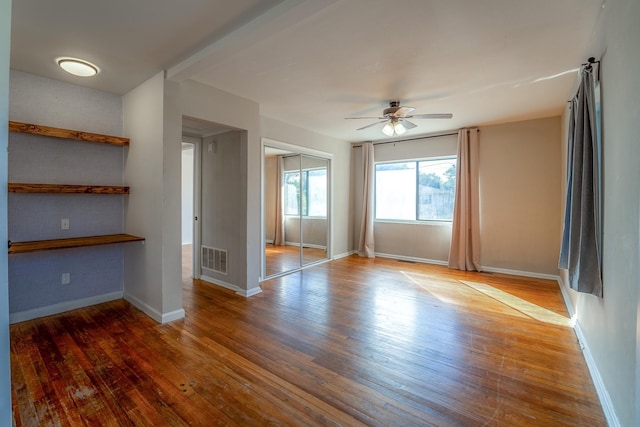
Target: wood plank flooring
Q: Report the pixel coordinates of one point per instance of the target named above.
(352, 342)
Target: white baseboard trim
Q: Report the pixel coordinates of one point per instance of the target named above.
(520, 273)
(412, 259)
(306, 245)
(601, 390)
(249, 292)
(49, 310)
(173, 316)
(242, 292)
(344, 255)
(161, 318)
(145, 308)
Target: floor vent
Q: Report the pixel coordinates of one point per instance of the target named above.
(214, 259)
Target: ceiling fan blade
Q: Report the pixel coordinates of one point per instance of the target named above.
(407, 124)
(431, 116)
(372, 124)
(369, 118)
(403, 111)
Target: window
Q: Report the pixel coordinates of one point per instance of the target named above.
(421, 190)
(306, 190)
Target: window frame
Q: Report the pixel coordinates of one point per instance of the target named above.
(417, 192)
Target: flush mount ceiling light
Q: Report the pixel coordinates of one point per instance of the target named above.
(78, 67)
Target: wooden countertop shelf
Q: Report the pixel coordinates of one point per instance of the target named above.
(15, 187)
(77, 242)
(67, 133)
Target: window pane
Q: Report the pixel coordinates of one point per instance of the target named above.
(317, 192)
(396, 191)
(436, 191)
(291, 193)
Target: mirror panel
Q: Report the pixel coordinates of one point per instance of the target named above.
(315, 207)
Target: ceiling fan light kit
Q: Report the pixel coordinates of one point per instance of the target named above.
(395, 119)
(393, 128)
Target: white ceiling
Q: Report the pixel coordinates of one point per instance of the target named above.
(313, 62)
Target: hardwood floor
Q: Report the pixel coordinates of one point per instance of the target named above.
(280, 259)
(351, 342)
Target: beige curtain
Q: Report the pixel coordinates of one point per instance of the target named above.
(278, 238)
(366, 245)
(464, 253)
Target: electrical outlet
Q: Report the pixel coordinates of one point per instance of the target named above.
(66, 278)
(64, 224)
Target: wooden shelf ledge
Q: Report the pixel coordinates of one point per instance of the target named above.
(67, 133)
(15, 187)
(76, 242)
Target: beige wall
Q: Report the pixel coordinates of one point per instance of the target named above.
(428, 242)
(519, 204)
(609, 325)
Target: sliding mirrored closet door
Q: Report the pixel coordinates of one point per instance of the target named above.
(296, 210)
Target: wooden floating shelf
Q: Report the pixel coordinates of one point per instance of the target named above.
(15, 187)
(67, 133)
(77, 242)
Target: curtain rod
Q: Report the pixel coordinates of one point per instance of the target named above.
(412, 139)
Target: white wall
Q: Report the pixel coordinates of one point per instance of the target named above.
(5, 371)
(152, 170)
(610, 324)
(340, 165)
(96, 272)
(222, 201)
(187, 195)
(216, 106)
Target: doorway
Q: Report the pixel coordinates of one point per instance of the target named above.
(188, 203)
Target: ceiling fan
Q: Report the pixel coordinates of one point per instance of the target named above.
(395, 119)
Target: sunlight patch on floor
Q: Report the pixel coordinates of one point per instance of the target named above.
(448, 291)
(532, 310)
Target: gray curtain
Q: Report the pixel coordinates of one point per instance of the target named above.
(464, 252)
(580, 250)
(366, 244)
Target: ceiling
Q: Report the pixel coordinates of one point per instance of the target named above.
(311, 63)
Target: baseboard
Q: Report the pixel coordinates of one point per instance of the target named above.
(249, 292)
(63, 307)
(306, 245)
(412, 259)
(173, 316)
(601, 390)
(243, 292)
(161, 318)
(520, 273)
(344, 255)
(144, 307)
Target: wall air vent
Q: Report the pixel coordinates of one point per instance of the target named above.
(214, 259)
